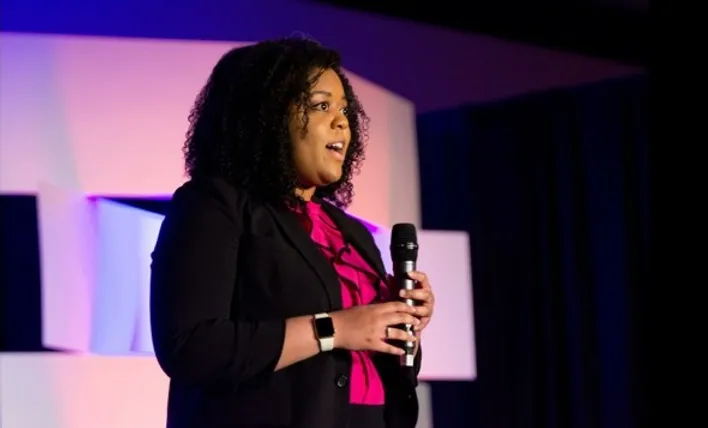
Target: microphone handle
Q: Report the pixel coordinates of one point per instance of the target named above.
(401, 271)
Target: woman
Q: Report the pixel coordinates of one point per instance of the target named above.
(270, 306)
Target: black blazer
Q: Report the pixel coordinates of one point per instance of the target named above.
(226, 273)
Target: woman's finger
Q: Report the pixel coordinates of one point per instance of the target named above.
(401, 318)
(421, 278)
(421, 295)
(398, 334)
(387, 348)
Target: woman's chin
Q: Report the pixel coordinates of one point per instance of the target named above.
(329, 177)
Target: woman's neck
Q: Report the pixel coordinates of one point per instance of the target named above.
(305, 194)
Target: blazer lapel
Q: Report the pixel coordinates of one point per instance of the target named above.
(293, 230)
(359, 236)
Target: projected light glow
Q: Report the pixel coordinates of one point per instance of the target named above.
(63, 126)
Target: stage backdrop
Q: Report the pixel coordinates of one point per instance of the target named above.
(83, 201)
(98, 126)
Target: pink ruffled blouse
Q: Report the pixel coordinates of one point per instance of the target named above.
(357, 281)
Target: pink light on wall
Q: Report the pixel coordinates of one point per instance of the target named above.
(95, 257)
(51, 390)
(101, 127)
(54, 390)
(68, 233)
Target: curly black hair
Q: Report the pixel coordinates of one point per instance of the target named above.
(239, 123)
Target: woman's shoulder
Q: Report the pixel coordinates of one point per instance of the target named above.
(210, 192)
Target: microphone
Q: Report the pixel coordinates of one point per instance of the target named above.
(404, 254)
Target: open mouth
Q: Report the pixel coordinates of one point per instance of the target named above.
(337, 146)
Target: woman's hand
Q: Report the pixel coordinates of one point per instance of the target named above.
(368, 327)
(424, 296)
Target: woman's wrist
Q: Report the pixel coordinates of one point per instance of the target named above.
(338, 328)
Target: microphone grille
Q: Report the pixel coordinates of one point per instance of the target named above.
(404, 242)
(404, 232)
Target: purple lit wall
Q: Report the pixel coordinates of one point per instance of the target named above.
(435, 68)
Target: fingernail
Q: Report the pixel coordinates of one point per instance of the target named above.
(402, 293)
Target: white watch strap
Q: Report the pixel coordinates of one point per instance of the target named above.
(326, 343)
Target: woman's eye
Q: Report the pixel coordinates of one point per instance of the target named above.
(324, 106)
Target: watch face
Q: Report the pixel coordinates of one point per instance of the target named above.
(324, 327)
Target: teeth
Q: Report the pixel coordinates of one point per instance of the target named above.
(335, 146)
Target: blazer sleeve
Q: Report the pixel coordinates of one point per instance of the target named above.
(197, 338)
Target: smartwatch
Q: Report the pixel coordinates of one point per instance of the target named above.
(324, 330)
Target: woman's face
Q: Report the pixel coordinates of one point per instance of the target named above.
(318, 154)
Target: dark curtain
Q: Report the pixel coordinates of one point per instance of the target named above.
(553, 189)
(20, 292)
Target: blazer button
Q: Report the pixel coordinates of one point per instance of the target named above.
(342, 381)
